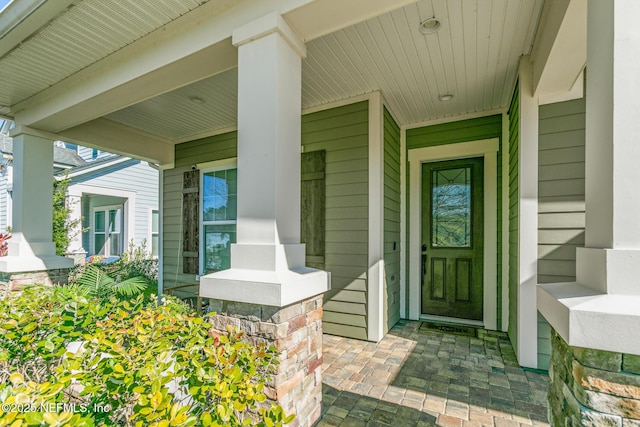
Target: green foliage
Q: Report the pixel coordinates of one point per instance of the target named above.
(62, 224)
(136, 272)
(95, 282)
(126, 363)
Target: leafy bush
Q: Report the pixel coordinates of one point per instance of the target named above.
(135, 272)
(67, 360)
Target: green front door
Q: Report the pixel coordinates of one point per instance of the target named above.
(452, 256)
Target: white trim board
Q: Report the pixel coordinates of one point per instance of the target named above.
(488, 149)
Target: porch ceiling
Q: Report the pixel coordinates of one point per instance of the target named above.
(474, 56)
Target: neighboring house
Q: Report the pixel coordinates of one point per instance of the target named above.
(458, 163)
(115, 197)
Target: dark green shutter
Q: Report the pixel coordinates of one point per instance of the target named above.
(312, 212)
(190, 213)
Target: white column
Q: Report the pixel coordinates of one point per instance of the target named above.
(31, 247)
(527, 350)
(74, 202)
(610, 262)
(600, 310)
(267, 262)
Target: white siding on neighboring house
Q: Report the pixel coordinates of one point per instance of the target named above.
(561, 206)
(129, 176)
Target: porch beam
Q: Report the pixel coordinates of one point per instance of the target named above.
(117, 138)
(195, 46)
(560, 49)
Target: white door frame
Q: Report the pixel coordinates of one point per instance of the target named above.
(488, 149)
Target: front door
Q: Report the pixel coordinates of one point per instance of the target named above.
(452, 233)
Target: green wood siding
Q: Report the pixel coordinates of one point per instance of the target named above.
(514, 143)
(463, 131)
(343, 133)
(561, 206)
(391, 220)
(209, 149)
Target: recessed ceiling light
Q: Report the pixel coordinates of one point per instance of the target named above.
(197, 99)
(445, 97)
(429, 26)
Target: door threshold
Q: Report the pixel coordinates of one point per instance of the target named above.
(451, 320)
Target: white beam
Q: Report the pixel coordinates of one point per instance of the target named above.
(120, 139)
(560, 49)
(322, 17)
(199, 38)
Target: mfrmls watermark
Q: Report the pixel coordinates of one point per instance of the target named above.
(55, 407)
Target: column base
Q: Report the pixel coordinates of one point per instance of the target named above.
(584, 317)
(610, 271)
(15, 264)
(591, 387)
(296, 332)
(274, 288)
(15, 280)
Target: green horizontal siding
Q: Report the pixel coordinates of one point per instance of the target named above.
(561, 203)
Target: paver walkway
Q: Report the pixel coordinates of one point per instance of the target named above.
(424, 378)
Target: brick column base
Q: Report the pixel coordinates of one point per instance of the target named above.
(296, 332)
(592, 387)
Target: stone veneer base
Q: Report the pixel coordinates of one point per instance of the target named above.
(45, 277)
(296, 332)
(593, 387)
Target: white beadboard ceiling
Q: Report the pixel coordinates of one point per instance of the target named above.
(85, 33)
(474, 56)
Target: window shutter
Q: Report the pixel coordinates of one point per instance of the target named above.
(312, 212)
(191, 217)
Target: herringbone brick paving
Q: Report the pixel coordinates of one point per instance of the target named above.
(425, 378)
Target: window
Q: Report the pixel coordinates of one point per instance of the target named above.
(155, 236)
(107, 231)
(219, 215)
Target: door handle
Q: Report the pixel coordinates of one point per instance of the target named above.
(424, 264)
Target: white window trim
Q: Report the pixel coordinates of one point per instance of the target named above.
(483, 148)
(150, 232)
(122, 232)
(231, 163)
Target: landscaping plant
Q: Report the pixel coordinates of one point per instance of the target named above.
(66, 359)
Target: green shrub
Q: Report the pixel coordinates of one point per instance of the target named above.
(125, 363)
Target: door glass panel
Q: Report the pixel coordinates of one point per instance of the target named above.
(114, 244)
(451, 208)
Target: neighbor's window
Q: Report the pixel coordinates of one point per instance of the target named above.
(219, 214)
(155, 243)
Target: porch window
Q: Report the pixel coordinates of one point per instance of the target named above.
(155, 242)
(219, 215)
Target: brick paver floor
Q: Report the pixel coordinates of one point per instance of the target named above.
(423, 378)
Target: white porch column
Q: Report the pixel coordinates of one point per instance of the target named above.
(527, 348)
(31, 247)
(268, 261)
(600, 311)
